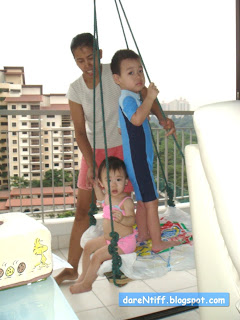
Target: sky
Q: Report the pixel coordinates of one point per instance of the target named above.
(188, 46)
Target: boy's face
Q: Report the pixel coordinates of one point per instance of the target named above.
(84, 60)
(131, 75)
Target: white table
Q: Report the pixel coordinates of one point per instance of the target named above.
(38, 301)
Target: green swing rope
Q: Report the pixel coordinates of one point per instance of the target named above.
(112, 248)
(167, 188)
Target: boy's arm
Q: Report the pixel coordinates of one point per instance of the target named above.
(129, 219)
(167, 123)
(143, 111)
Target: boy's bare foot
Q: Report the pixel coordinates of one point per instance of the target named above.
(165, 245)
(66, 274)
(142, 238)
(79, 288)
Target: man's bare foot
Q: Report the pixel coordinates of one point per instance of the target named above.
(79, 288)
(165, 245)
(66, 274)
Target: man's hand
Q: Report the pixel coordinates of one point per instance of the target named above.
(89, 179)
(168, 124)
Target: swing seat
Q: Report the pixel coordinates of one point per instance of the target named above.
(213, 171)
(143, 264)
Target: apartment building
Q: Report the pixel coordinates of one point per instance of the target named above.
(32, 142)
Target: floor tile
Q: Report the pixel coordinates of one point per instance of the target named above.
(122, 313)
(172, 281)
(99, 314)
(189, 315)
(80, 302)
(108, 292)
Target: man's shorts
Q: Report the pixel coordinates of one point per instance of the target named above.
(100, 156)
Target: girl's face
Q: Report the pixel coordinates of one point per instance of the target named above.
(84, 60)
(118, 181)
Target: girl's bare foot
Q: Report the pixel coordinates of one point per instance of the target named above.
(79, 288)
(66, 274)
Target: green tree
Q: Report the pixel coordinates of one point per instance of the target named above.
(57, 176)
(18, 182)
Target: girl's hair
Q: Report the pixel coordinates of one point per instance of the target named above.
(119, 56)
(114, 164)
(82, 40)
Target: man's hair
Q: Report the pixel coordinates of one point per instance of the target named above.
(114, 164)
(119, 56)
(82, 40)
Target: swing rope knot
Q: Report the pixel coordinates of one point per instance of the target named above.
(169, 191)
(93, 210)
(113, 250)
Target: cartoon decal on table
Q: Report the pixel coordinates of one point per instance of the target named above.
(39, 249)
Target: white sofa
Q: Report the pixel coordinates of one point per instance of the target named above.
(213, 172)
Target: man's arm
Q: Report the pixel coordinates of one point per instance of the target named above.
(77, 115)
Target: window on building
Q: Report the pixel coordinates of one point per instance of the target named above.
(14, 133)
(14, 141)
(45, 140)
(75, 147)
(24, 132)
(24, 106)
(25, 166)
(53, 124)
(46, 149)
(56, 156)
(55, 131)
(55, 148)
(14, 124)
(45, 132)
(15, 167)
(25, 149)
(50, 116)
(55, 140)
(48, 124)
(25, 175)
(14, 150)
(14, 107)
(56, 164)
(25, 158)
(24, 123)
(46, 157)
(46, 165)
(24, 140)
(15, 158)
(14, 117)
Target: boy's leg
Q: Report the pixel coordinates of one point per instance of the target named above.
(141, 220)
(154, 228)
(98, 258)
(80, 225)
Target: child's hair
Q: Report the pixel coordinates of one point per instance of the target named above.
(82, 40)
(119, 56)
(114, 164)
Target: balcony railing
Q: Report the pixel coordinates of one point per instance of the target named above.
(41, 180)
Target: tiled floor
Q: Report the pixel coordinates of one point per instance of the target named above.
(102, 301)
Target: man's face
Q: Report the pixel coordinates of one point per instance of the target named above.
(84, 60)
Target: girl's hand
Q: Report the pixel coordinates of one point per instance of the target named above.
(117, 215)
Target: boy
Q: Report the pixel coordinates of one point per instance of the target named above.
(137, 142)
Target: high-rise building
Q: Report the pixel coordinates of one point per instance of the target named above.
(31, 143)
